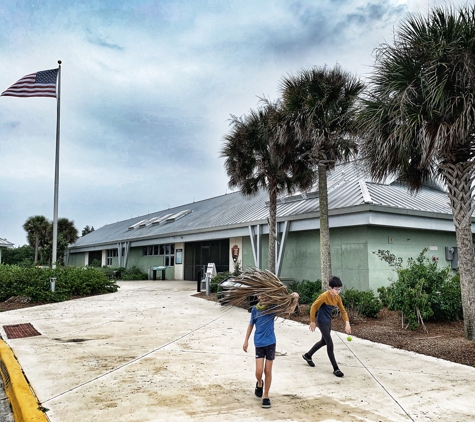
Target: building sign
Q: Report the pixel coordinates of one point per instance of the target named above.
(235, 252)
(179, 256)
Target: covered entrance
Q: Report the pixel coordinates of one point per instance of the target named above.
(95, 256)
(199, 254)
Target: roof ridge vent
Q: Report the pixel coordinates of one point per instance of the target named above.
(364, 190)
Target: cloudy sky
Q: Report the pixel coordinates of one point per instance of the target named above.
(147, 90)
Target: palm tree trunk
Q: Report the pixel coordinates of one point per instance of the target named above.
(37, 241)
(459, 179)
(272, 224)
(325, 255)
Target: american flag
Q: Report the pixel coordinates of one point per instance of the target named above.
(39, 84)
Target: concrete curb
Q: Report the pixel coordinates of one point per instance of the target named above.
(22, 399)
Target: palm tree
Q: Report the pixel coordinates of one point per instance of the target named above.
(418, 121)
(319, 106)
(255, 159)
(36, 228)
(67, 234)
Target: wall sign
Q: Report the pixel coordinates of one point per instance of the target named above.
(235, 252)
(179, 256)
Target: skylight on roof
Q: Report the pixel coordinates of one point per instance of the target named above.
(133, 226)
(177, 216)
(160, 220)
(167, 218)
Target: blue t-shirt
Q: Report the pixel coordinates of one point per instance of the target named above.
(264, 323)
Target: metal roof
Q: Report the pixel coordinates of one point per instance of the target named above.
(348, 186)
(4, 243)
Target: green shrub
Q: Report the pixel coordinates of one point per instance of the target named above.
(96, 263)
(363, 303)
(132, 273)
(218, 278)
(422, 291)
(35, 283)
(307, 290)
(383, 294)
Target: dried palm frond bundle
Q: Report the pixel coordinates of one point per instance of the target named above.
(255, 281)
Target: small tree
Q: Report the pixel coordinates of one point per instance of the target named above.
(87, 230)
(422, 291)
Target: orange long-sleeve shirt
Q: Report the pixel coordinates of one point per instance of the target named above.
(324, 306)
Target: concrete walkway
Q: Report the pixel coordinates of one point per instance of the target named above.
(153, 352)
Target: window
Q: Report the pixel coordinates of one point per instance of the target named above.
(111, 253)
(167, 251)
(150, 250)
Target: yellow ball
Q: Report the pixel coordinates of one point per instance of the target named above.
(349, 338)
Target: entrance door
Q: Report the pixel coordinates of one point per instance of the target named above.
(199, 254)
(95, 255)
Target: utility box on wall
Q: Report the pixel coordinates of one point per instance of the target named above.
(451, 254)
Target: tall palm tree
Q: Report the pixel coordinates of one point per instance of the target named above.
(67, 234)
(319, 106)
(36, 228)
(255, 159)
(418, 121)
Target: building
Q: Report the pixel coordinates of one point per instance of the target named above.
(4, 243)
(364, 217)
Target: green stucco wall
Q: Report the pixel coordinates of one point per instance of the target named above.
(353, 253)
(406, 243)
(136, 259)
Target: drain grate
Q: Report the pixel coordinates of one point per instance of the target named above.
(20, 331)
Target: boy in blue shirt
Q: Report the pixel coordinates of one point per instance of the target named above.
(265, 343)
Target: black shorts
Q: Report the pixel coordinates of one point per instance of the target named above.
(267, 352)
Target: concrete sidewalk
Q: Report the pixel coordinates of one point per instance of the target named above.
(152, 352)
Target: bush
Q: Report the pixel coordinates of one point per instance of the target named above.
(132, 273)
(423, 292)
(218, 278)
(363, 303)
(23, 256)
(383, 294)
(307, 290)
(35, 283)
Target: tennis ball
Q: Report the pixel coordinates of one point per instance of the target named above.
(349, 338)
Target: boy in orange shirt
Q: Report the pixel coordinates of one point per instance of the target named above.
(325, 304)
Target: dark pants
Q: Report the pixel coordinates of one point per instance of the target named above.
(326, 339)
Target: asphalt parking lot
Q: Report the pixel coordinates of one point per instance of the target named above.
(153, 352)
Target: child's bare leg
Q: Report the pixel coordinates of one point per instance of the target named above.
(259, 371)
(268, 378)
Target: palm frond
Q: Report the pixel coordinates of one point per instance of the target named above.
(255, 281)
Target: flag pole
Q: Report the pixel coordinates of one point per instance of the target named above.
(56, 173)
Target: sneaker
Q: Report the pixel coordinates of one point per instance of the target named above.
(258, 390)
(338, 373)
(265, 403)
(308, 359)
